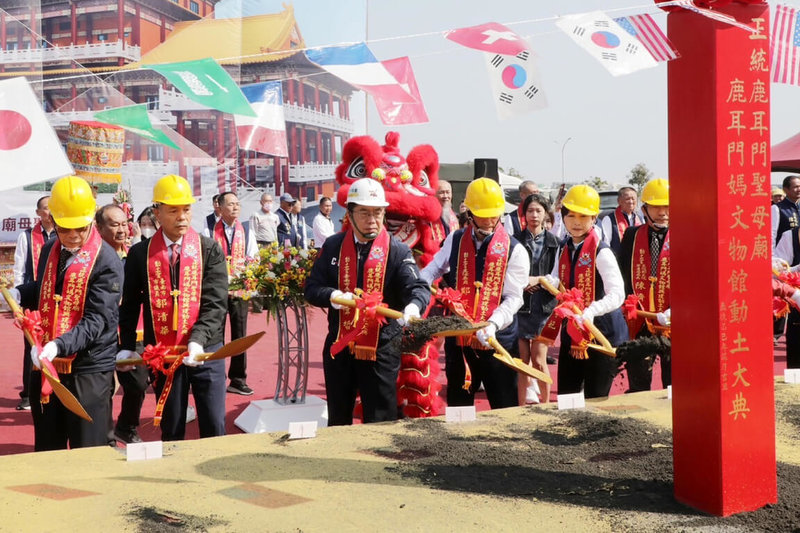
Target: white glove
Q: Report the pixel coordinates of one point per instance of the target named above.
(779, 265)
(194, 350)
(587, 317)
(49, 351)
(664, 318)
(409, 313)
(123, 355)
(486, 333)
(343, 295)
(14, 294)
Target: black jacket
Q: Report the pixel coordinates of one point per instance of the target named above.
(402, 284)
(94, 338)
(210, 324)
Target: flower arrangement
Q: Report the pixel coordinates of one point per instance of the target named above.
(278, 276)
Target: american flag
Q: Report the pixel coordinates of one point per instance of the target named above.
(786, 46)
(644, 28)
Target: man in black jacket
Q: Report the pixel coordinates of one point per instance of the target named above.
(180, 280)
(77, 291)
(357, 355)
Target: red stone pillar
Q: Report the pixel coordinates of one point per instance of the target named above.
(719, 161)
(320, 155)
(316, 99)
(293, 144)
(220, 152)
(290, 92)
(303, 147)
(73, 22)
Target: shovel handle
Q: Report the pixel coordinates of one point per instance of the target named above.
(169, 359)
(17, 310)
(510, 361)
(591, 327)
(385, 311)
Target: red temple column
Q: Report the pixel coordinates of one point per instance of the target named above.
(73, 22)
(303, 147)
(320, 155)
(290, 91)
(316, 99)
(220, 151)
(719, 161)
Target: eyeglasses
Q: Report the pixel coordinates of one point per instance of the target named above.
(66, 231)
(366, 215)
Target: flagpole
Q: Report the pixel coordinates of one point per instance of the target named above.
(366, 40)
(563, 147)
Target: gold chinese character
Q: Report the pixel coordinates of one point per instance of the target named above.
(738, 311)
(736, 147)
(736, 121)
(737, 219)
(758, 61)
(760, 247)
(736, 93)
(756, 149)
(758, 184)
(759, 215)
(758, 32)
(739, 407)
(739, 341)
(739, 376)
(736, 185)
(737, 250)
(758, 122)
(738, 280)
(759, 94)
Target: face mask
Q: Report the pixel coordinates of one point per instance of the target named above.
(148, 232)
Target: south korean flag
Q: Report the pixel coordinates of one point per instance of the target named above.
(516, 87)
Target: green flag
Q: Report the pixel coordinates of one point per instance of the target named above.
(134, 118)
(207, 83)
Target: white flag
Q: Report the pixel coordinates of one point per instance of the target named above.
(30, 151)
(516, 87)
(607, 41)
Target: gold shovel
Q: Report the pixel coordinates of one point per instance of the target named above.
(516, 363)
(605, 346)
(235, 347)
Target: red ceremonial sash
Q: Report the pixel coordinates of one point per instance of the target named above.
(237, 248)
(173, 311)
(652, 292)
(621, 221)
(523, 222)
(585, 272)
(37, 241)
(437, 231)
(481, 298)
(61, 312)
(362, 332)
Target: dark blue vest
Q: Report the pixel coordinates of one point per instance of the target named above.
(286, 230)
(789, 217)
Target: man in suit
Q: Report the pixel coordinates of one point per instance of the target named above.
(179, 279)
(77, 291)
(288, 230)
(26, 259)
(238, 244)
(211, 218)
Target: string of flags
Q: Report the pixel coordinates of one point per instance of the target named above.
(622, 45)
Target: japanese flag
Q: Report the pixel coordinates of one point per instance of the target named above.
(516, 87)
(30, 151)
(617, 50)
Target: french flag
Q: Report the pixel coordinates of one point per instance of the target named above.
(356, 65)
(266, 132)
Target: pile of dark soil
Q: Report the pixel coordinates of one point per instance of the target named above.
(619, 465)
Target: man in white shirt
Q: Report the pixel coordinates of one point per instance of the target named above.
(323, 225)
(238, 243)
(264, 223)
(26, 260)
(623, 217)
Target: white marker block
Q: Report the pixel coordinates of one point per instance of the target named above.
(302, 430)
(571, 401)
(460, 414)
(139, 451)
(791, 375)
(669, 392)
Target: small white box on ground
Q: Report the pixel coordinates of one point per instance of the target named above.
(139, 451)
(302, 430)
(460, 414)
(571, 401)
(791, 375)
(266, 416)
(669, 392)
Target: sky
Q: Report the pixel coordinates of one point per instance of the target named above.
(612, 123)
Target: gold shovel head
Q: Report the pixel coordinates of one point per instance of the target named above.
(518, 365)
(234, 347)
(65, 396)
(461, 332)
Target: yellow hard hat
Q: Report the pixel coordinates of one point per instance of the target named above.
(173, 190)
(656, 192)
(72, 203)
(777, 190)
(582, 199)
(485, 198)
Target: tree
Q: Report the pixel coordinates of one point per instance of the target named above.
(639, 175)
(597, 183)
(511, 172)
